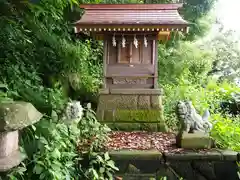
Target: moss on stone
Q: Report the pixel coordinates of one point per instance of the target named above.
(139, 115)
(130, 120)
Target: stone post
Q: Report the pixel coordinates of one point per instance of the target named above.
(14, 116)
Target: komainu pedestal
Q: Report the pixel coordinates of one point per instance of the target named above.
(131, 109)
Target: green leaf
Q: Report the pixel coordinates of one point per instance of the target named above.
(112, 165)
(110, 176)
(100, 159)
(95, 174)
(43, 140)
(56, 154)
(37, 169)
(42, 176)
(33, 127)
(102, 170)
(106, 156)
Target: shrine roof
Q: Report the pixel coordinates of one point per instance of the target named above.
(131, 15)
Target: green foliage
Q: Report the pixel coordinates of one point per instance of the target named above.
(4, 93)
(39, 53)
(54, 151)
(100, 167)
(197, 13)
(51, 151)
(95, 165)
(92, 133)
(226, 131)
(185, 60)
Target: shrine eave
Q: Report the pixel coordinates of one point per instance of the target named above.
(131, 17)
(171, 6)
(147, 28)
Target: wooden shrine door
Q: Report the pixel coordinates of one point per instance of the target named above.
(131, 67)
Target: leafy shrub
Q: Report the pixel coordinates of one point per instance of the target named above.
(53, 153)
(184, 60)
(96, 164)
(226, 131)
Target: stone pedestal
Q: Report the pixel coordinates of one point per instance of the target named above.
(9, 151)
(131, 109)
(14, 116)
(8, 142)
(196, 140)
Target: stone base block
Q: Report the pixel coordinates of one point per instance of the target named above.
(196, 140)
(11, 161)
(188, 165)
(8, 143)
(129, 101)
(132, 110)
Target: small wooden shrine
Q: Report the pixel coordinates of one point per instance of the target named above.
(130, 97)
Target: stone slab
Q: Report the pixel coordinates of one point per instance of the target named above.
(11, 161)
(137, 176)
(136, 165)
(137, 91)
(8, 143)
(197, 140)
(229, 155)
(112, 102)
(189, 155)
(152, 127)
(136, 155)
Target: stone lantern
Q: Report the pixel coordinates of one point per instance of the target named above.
(14, 116)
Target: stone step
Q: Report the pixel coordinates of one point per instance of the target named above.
(214, 164)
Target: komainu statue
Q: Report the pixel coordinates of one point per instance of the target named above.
(190, 120)
(73, 112)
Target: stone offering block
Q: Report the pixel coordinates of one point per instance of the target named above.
(196, 140)
(17, 115)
